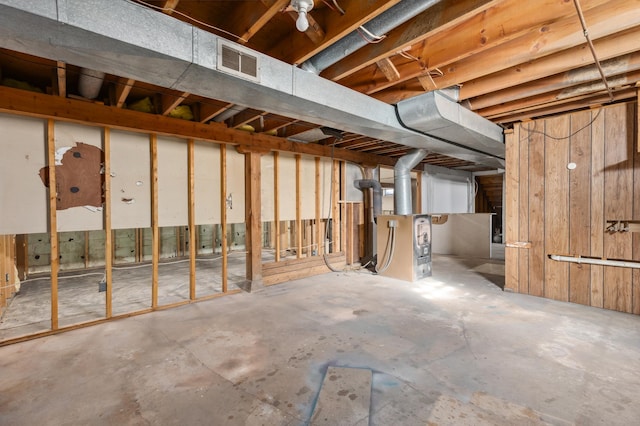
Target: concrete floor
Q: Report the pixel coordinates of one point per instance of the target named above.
(449, 350)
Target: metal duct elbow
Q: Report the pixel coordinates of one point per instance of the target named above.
(402, 180)
(90, 83)
(363, 184)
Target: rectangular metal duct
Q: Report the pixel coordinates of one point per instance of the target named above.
(126, 39)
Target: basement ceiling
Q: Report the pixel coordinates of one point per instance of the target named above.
(507, 60)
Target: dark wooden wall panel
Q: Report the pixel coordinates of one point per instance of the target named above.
(579, 197)
(562, 210)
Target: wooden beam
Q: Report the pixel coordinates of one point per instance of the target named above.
(155, 232)
(273, 8)
(253, 238)
(208, 111)
(276, 202)
(388, 69)
(335, 216)
(439, 18)
(223, 218)
(61, 79)
(53, 221)
(106, 214)
(610, 47)
(123, 87)
(169, 6)
(298, 48)
(192, 217)
(40, 105)
(547, 38)
(315, 32)
(298, 209)
(170, 102)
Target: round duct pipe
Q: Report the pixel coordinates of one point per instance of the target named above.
(402, 180)
(90, 83)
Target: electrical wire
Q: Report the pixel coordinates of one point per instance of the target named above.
(546, 135)
(188, 17)
(341, 10)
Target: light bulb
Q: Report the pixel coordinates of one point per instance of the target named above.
(302, 23)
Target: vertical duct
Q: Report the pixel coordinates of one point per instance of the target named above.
(402, 180)
(90, 83)
(363, 184)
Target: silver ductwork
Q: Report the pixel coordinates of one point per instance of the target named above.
(363, 184)
(90, 83)
(126, 39)
(380, 25)
(402, 180)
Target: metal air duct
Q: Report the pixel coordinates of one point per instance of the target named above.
(90, 83)
(381, 24)
(402, 180)
(123, 38)
(363, 184)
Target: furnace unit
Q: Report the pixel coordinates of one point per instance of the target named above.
(404, 246)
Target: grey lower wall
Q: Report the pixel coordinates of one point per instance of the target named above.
(465, 234)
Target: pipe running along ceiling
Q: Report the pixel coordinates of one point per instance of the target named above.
(126, 39)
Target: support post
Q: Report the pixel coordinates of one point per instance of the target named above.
(53, 221)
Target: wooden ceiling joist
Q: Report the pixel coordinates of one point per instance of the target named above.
(257, 23)
(169, 6)
(61, 79)
(170, 102)
(122, 90)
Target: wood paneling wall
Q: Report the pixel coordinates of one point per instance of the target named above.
(559, 210)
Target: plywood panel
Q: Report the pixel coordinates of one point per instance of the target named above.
(207, 183)
(307, 188)
(579, 199)
(635, 296)
(597, 206)
(68, 135)
(556, 207)
(267, 193)
(287, 187)
(172, 182)
(130, 180)
(536, 205)
(235, 186)
(22, 195)
(618, 187)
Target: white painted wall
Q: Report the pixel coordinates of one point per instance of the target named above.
(447, 191)
(463, 235)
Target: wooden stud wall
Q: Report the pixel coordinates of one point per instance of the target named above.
(8, 275)
(563, 210)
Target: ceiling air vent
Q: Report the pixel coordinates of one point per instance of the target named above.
(238, 61)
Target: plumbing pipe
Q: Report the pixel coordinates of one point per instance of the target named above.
(596, 261)
(363, 184)
(402, 180)
(381, 24)
(90, 83)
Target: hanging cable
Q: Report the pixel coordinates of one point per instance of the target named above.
(593, 50)
(341, 10)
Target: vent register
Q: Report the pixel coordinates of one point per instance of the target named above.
(237, 61)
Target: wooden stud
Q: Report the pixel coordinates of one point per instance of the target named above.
(298, 210)
(334, 245)
(223, 216)
(389, 70)
(61, 79)
(53, 221)
(319, 242)
(108, 242)
(123, 87)
(155, 232)
(192, 218)
(276, 203)
(635, 291)
(253, 237)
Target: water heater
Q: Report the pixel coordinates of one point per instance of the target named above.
(404, 246)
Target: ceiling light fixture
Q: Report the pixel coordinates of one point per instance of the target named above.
(302, 7)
